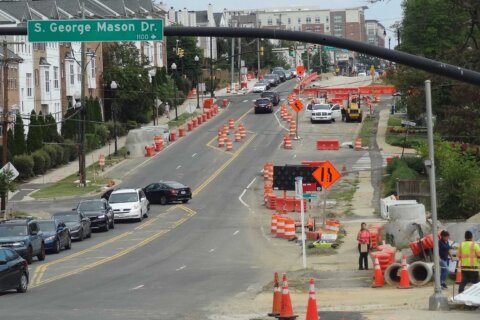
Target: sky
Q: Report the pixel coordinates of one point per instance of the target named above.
(385, 11)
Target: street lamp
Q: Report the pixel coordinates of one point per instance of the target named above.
(113, 109)
(78, 104)
(197, 59)
(152, 72)
(174, 69)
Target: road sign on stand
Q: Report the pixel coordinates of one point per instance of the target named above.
(91, 30)
(9, 167)
(326, 175)
(297, 105)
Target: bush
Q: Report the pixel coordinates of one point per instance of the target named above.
(24, 165)
(52, 152)
(102, 133)
(416, 163)
(58, 154)
(38, 163)
(121, 129)
(92, 142)
(46, 158)
(73, 150)
(131, 125)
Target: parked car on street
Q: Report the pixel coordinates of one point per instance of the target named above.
(164, 192)
(272, 80)
(281, 75)
(263, 105)
(99, 212)
(76, 222)
(260, 87)
(13, 271)
(325, 112)
(129, 204)
(24, 237)
(55, 234)
(293, 71)
(274, 96)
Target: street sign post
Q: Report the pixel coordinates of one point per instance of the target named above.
(297, 105)
(101, 30)
(408, 123)
(326, 175)
(9, 167)
(299, 195)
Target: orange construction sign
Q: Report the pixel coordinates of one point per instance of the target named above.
(327, 175)
(300, 70)
(297, 105)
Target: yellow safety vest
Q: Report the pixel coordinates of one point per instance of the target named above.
(468, 255)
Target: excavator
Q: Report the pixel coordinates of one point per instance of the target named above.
(353, 112)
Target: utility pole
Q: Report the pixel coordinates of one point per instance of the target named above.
(232, 66)
(6, 113)
(258, 45)
(212, 91)
(239, 61)
(83, 114)
(308, 59)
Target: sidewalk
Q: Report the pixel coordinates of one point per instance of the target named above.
(385, 148)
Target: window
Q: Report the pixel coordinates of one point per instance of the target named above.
(308, 20)
(72, 74)
(299, 20)
(29, 84)
(317, 19)
(289, 21)
(337, 19)
(79, 73)
(269, 21)
(326, 20)
(47, 81)
(55, 77)
(371, 31)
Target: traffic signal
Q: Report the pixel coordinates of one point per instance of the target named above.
(181, 52)
(261, 51)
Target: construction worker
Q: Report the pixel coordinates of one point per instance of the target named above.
(468, 254)
(445, 255)
(344, 113)
(363, 239)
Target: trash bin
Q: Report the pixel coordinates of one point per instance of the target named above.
(393, 109)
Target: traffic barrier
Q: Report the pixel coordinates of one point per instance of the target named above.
(194, 121)
(378, 280)
(199, 120)
(277, 298)
(271, 203)
(358, 144)
(293, 129)
(208, 103)
(280, 227)
(181, 132)
(208, 114)
(289, 229)
(286, 311)
(231, 123)
(221, 141)
(344, 167)
(386, 248)
(149, 151)
(384, 258)
(190, 125)
(313, 235)
(158, 140)
(225, 103)
(225, 128)
(287, 143)
(332, 224)
(404, 276)
(328, 145)
(458, 272)
(312, 311)
(173, 136)
(311, 224)
(204, 117)
(229, 145)
(273, 224)
(243, 132)
(228, 89)
(238, 138)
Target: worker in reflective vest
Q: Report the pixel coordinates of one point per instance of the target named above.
(363, 239)
(468, 253)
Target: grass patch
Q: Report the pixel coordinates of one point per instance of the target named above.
(344, 194)
(182, 119)
(325, 249)
(366, 132)
(394, 121)
(398, 140)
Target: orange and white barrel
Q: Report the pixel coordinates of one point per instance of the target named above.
(280, 227)
(289, 228)
(273, 226)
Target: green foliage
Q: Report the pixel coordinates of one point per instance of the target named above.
(58, 154)
(71, 150)
(101, 131)
(92, 142)
(38, 163)
(69, 125)
(52, 153)
(11, 146)
(132, 125)
(121, 129)
(50, 133)
(34, 136)
(6, 182)
(19, 143)
(24, 165)
(46, 158)
(41, 124)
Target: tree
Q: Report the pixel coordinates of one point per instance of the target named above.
(19, 144)
(70, 123)
(41, 124)
(50, 129)
(6, 184)
(34, 136)
(10, 144)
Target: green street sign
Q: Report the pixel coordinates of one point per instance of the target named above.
(309, 195)
(328, 48)
(103, 30)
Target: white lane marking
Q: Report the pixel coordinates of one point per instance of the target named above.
(241, 200)
(294, 156)
(137, 287)
(278, 120)
(236, 232)
(250, 184)
(245, 100)
(194, 155)
(211, 250)
(179, 167)
(181, 268)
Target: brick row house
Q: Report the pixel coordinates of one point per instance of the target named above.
(49, 76)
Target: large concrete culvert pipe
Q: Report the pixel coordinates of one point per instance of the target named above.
(392, 274)
(420, 273)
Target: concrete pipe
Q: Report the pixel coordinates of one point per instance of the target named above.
(392, 274)
(420, 273)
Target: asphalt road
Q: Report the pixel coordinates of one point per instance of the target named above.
(183, 258)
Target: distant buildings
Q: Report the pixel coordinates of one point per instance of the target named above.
(375, 33)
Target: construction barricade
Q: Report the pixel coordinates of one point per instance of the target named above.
(328, 145)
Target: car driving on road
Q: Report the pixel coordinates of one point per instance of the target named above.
(281, 74)
(263, 105)
(23, 236)
(77, 223)
(129, 204)
(13, 271)
(260, 87)
(99, 212)
(272, 80)
(274, 96)
(164, 192)
(55, 234)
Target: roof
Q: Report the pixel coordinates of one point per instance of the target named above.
(48, 8)
(10, 55)
(17, 9)
(217, 16)
(116, 5)
(72, 7)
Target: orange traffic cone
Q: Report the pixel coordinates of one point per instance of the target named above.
(404, 277)
(378, 281)
(458, 273)
(286, 312)
(277, 298)
(312, 311)
(344, 167)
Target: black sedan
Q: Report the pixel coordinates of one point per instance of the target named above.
(164, 192)
(13, 271)
(99, 212)
(263, 105)
(79, 225)
(274, 96)
(55, 235)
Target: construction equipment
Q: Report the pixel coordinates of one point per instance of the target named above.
(354, 110)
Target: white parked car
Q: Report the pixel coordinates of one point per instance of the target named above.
(325, 112)
(259, 87)
(129, 204)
